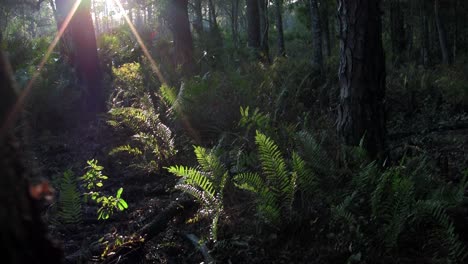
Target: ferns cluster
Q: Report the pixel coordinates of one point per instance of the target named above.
(69, 201)
(401, 205)
(205, 184)
(150, 141)
(277, 185)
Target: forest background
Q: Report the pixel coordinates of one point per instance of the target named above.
(308, 131)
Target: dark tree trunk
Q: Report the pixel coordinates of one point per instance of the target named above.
(317, 59)
(253, 26)
(86, 57)
(62, 8)
(424, 38)
(326, 29)
(23, 236)
(264, 28)
(361, 75)
(442, 34)
(235, 22)
(198, 23)
(79, 45)
(397, 30)
(279, 27)
(183, 42)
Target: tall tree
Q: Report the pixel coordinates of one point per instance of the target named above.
(79, 45)
(397, 29)
(253, 26)
(198, 23)
(317, 59)
(442, 33)
(279, 27)
(183, 42)
(325, 22)
(361, 75)
(264, 29)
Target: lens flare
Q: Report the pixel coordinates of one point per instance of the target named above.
(27, 89)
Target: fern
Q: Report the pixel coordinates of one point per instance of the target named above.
(69, 202)
(194, 177)
(276, 187)
(150, 141)
(206, 184)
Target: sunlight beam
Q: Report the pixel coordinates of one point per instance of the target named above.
(24, 93)
(153, 64)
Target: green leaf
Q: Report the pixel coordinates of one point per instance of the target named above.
(122, 204)
(119, 193)
(99, 184)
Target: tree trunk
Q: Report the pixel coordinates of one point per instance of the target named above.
(279, 27)
(442, 34)
(183, 42)
(23, 236)
(424, 38)
(198, 23)
(264, 28)
(253, 27)
(317, 59)
(326, 29)
(235, 22)
(86, 57)
(397, 30)
(78, 44)
(361, 75)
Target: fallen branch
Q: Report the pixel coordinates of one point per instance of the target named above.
(160, 222)
(201, 247)
(440, 128)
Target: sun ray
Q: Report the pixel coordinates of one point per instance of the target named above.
(27, 89)
(155, 68)
(153, 64)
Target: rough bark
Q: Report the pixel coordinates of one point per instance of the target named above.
(279, 27)
(253, 26)
(264, 28)
(442, 34)
(397, 30)
(183, 42)
(23, 236)
(326, 29)
(198, 23)
(235, 22)
(424, 39)
(361, 75)
(317, 59)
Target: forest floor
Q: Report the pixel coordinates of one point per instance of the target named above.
(443, 136)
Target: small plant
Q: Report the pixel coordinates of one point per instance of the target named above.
(93, 181)
(69, 202)
(205, 184)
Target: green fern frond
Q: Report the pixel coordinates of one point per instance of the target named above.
(313, 153)
(199, 195)
(192, 176)
(127, 149)
(306, 182)
(457, 251)
(69, 202)
(249, 181)
(169, 94)
(209, 162)
(273, 164)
